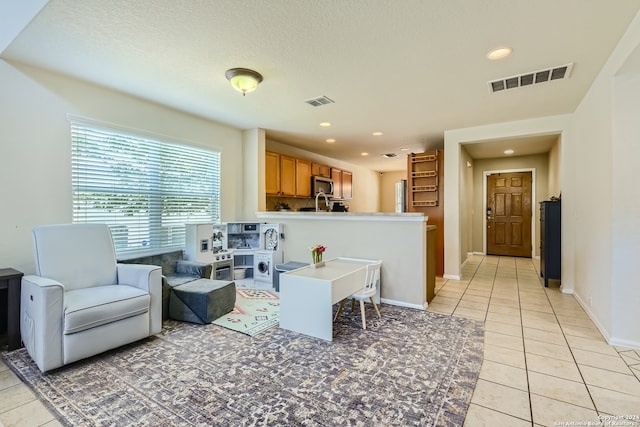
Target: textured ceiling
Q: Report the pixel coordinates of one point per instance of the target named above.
(410, 69)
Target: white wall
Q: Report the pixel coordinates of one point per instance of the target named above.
(598, 151)
(466, 208)
(366, 183)
(253, 200)
(400, 244)
(455, 212)
(554, 186)
(35, 148)
(607, 213)
(626, 209)
(388, 189)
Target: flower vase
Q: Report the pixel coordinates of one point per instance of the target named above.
(317, 260)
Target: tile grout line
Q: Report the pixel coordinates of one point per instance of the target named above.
(524, 348)
(486, 314)
(564, 336)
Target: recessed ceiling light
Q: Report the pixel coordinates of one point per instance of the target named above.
(499, 53)
(508, 152)
(377, 133)
(325, 124)
(404, 149)
(364, 153)
(331, 140)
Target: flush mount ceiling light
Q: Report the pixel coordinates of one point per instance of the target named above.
(377, 133)
(325, 124)
(243, 79)
(364, 153)
(508, 151)
(499, 53)
(331, 140)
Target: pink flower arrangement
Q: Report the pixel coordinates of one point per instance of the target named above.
(316, 253)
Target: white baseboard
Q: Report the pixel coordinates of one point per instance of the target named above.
(625, 343)
(566, 290)
(587, 309)
(451, 276)
(611, 340)
(403, 304)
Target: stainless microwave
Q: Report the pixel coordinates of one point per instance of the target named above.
(321, 184)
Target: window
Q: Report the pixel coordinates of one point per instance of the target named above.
(144, 189)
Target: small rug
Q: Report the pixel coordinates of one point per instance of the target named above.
(255, 311)
(410, 368)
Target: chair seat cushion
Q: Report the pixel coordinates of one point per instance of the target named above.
(88, 308)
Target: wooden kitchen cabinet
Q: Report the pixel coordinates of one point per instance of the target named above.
(347, 190)
(272, 172)
(342, 184)
(291, 177)
(303, 178)
(336, 176)
(287, 176)
(320, 170)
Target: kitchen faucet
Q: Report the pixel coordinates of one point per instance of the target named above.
(326, 200)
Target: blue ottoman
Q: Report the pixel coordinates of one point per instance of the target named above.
(202, 301)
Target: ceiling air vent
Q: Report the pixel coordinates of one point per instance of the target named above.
(389, 155)
(531, 78)
(321, 100)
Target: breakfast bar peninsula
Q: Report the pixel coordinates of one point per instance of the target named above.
(400, 240)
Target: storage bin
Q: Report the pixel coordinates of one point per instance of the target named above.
(239, 273)
(288, 266)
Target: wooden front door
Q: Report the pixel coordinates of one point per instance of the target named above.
(509, 214)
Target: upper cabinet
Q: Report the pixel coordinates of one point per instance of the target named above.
(272, 178)
(287, 176)
(347, 190)
(342, 184)
(291, 177)
(320, 170)
(303, 178)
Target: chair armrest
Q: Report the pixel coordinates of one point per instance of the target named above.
(41, 319)
(138, 275)
(147, 278)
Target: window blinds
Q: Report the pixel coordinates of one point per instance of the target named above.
(144, 189)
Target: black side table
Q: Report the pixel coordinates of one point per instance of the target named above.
(11, 280)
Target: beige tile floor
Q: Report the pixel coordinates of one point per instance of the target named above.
(544, 360)
(18, 405)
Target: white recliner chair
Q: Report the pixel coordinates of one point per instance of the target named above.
(81, 302)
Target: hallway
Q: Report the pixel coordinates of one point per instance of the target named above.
(545, 362)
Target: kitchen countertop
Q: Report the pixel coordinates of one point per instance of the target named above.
(353, 216)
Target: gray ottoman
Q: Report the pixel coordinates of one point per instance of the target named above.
(202, 301)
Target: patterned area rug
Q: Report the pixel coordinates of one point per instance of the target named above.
(255, 311)
(410, 368)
